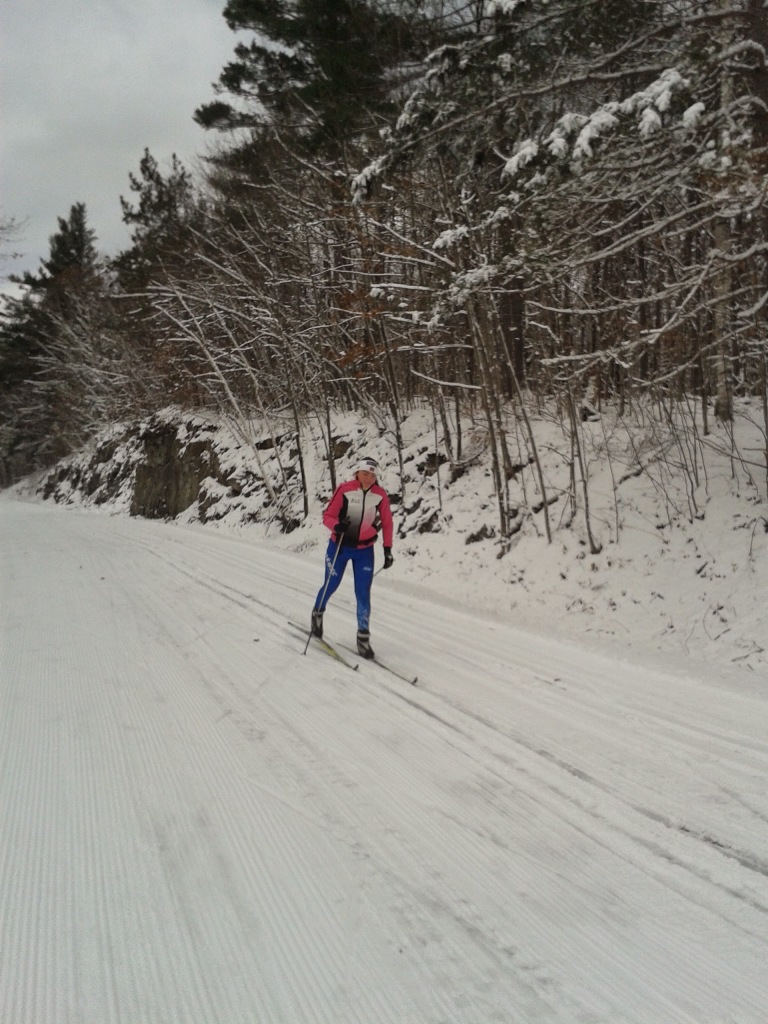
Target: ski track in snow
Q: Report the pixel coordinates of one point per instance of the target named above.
(201, 825)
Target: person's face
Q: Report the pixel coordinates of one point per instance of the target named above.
(366, 479)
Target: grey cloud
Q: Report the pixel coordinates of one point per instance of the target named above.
(86, 86)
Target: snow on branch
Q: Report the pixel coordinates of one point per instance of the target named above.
(503, 6)
(527, 151)
(446, 383)
(362, 182)
(575, 135)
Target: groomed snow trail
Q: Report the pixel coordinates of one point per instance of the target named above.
(201, 826)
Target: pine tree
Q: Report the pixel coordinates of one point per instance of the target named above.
(160, 217)
(321, 69)
(71, 266)
(42, 418)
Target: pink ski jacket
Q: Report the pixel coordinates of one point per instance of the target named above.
(368, 512)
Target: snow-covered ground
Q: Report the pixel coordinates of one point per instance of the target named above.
(202, 826)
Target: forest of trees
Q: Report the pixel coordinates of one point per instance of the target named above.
(493, 206)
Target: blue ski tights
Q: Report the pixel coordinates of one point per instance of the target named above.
(362, 566)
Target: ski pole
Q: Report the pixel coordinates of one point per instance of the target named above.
(327, 584)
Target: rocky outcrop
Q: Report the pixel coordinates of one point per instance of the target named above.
(100, 477)
(173, 465)
(158, 468)
(169, 477)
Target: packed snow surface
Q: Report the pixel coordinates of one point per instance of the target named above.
(201, 825)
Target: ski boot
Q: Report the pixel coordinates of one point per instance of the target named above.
(317, 623)
(364, 648)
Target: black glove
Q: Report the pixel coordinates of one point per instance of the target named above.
(340, 528)
(388, 559)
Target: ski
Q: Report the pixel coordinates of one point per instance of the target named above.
(411, 680)
(324, 646)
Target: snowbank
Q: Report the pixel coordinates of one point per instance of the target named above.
(682, 529)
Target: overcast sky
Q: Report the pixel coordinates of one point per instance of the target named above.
(86, 86)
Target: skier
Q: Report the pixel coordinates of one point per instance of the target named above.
(358, 510)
